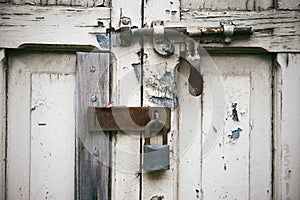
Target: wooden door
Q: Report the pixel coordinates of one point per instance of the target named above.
(237, 140)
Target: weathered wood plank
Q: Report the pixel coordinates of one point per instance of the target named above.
(21, 25)
(189, 139)
(159, 89)
(244, 162)
(217, 5)
(52, 136)
(288, 4)
(21, 66)
(2, 122)
(126, 90)
(274, 31)
(129, 9)
(161, 10)
(93, 149)
(287, 171)
(82, 3)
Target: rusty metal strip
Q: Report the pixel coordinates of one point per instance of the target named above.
(125, 118)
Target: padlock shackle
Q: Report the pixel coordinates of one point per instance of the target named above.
(148, 132)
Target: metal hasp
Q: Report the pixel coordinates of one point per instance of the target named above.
(149, 120)
(133, 119)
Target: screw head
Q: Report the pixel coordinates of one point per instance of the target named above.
(92, 69)
(125, 21)
(94, 98)
(96, 153)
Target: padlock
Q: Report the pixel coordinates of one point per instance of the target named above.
(156, 157)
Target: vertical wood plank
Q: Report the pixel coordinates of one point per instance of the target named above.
(52, 136)
(93, 149)
(129, 9)
(287, 140)
(21, 66)
(189, 139)
(126, 90)
(228, 163)
(2, 123)
(159, 83)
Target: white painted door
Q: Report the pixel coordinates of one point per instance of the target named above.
(41, 126)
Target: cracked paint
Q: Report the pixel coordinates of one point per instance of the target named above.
(163, 86)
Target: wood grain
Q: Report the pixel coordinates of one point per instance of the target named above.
(274, 31)
(218, 5)
(57, 26)
(82, 3)
(93, 149)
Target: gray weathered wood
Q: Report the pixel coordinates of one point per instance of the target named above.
(58, 26)
(83, 3)
(2, 123)
(226, 4)
(288, 4)
(274, 31)
(93, 149)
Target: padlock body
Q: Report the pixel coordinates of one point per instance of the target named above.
(156, 157)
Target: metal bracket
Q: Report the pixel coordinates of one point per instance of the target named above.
(160, 43)
(134, 119)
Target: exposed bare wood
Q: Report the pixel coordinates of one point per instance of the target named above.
(226, 5)
(2, 123)
(274, 31)
(21, 25)
(93, 147)
(288, 4)
(287, 117)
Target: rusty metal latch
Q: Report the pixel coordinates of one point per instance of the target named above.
(226, 31)
(133, 119)
(164, 39)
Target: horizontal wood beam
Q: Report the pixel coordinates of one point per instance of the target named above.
(274, 31)
(23, 26)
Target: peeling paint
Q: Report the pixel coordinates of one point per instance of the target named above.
(162, 85)
(235, 134)
(103, 41)
(235, 116)
(165, 101)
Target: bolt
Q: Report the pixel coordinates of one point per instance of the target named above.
(94, 98)
(96, 153)
(92, 69)
(125, 21)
